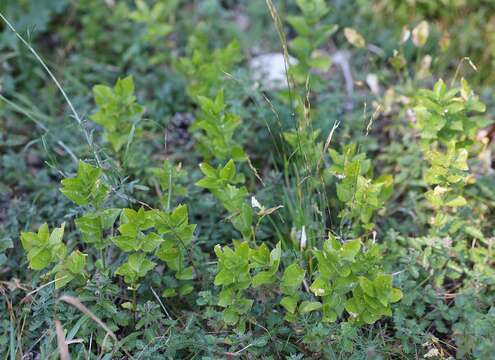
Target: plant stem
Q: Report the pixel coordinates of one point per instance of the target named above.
(102, 257)
(134, 303)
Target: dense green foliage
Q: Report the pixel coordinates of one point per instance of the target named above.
(160, 197)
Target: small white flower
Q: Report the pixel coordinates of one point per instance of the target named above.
(319, 292)
(405, 35)
(304, 238)
(255, 203)
(373, 83)
(432, 353)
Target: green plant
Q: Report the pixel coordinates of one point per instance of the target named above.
(444, 115)
(235, 275)
(205, 69)
(135, 268)
(448, 173)
(222, 184)
(310, 36)
(93, 224)
(301, 244)
(171, 179)
(87, 188)
(135, 239)
(454, 248)
(177, 234)
(360, 194)
(266, 262)
(133, 235)
(42, 247)
(448, 130)
(349, 267)
(159, 23)
(154, 18)
(172, 235)
(71, 269)
(304, 142)
(118, 112)
(289, 285)
(216, 142)
(216, 127)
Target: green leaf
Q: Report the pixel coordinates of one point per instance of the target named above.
(215, 129)
(86, 188)
(208, 170)
(62, 278)
(292, 278)
(56, 235)
(329, 315)
(29, 239)
(308, 306)
(39, 258)
(320, 287)
(370, 318)
(118, 113)
(126, 243)
(170, 292)
(179, 216)
(395, 295)
(299, 24)
(474, 232)
(313, 8)
(185, 289)
(90, 227)
(383, 287)
(275, 255)
(92, 224)
(185, 274)
(71, 269)
(208, 183)
(230, 317)
(226, 297)
(351, 306)
(136, 267)
(243, 220)
(224, 277)
(367, 286)
(150, 242)
(243, 305)
(125, 87)
(321, 62)
(440, 88)
(260, 256)
(289, 303)
(42, 247)
(75, 262)
(350, 249)
(228, 172)
(457, 202)
(263, 278)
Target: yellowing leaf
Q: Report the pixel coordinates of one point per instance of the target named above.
(354, 37)
(396, 295)
(420, 34)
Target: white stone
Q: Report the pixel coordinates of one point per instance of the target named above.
(270, 70)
